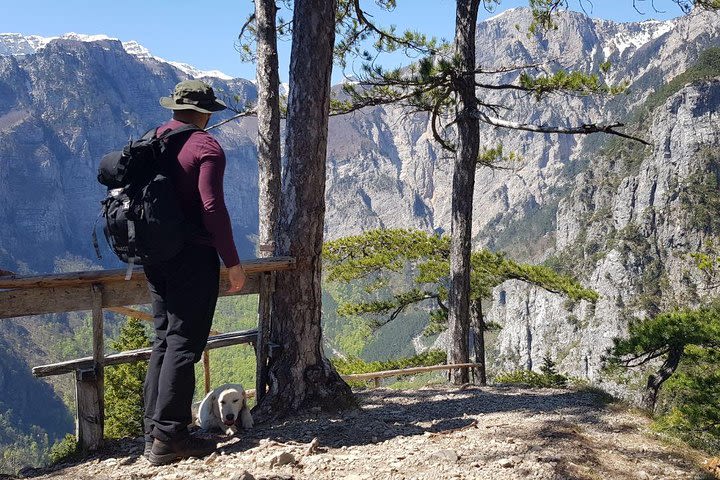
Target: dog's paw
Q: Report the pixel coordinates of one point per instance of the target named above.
(231, 430)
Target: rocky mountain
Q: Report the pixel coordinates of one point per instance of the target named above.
(398, 177)
(566, 199)
(629, 226)
(384, 168)
(66, 101)
(53, 133)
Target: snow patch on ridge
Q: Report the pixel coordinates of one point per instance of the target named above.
(647, 31)
(495, 17)
(196, 73)
(18, 44)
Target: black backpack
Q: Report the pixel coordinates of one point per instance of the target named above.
(144, 223)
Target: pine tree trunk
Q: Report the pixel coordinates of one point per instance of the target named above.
(655, 381)
(468, 129)
(268, 114)
(301, 376)
(478, 326)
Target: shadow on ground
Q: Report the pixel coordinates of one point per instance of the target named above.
(572, 424)
(385, 414)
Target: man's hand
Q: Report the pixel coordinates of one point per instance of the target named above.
(237, 277)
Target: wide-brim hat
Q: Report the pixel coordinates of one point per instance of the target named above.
(193, 95)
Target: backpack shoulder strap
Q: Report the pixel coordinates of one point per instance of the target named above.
(188, 127)
(149, 134)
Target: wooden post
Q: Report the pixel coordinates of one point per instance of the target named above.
(88, 426)
(89, 386)
(267, 282)
(206, 369)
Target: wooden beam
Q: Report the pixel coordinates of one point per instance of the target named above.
(267, 282)
(88, 426)
(255, 265)
(131, 356)
(37, 301)
(405, 371)
(98, 326)
(90, 388)
(206, 369)
(131, 312)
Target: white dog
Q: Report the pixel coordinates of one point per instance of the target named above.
(223, 408)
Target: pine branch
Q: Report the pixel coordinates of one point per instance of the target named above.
(440, 303)
(246, 113)
(585, 129)
(508, 86)
(648, 356)
(515, 68)
(408, 44)
(436, 118)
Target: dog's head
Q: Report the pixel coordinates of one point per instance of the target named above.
(230, 402)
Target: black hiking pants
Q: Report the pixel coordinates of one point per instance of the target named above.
(184, 292)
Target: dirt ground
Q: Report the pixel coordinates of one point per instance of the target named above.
(433, 433)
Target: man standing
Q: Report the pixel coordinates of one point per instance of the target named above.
(184, 289)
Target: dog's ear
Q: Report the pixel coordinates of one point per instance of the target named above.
(216, 405)
(206, 411)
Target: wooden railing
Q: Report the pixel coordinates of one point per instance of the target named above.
(376, 376)
(108, 290)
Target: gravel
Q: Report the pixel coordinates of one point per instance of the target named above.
(432, 433)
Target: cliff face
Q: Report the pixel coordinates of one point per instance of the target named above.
(61, 109)
(385, 170)
(628, 226)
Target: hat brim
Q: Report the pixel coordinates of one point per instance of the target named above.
(216, 106)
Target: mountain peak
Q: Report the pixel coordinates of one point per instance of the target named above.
(19, 44)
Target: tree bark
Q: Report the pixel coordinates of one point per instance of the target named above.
(268, 114)
(478, 327)
(468, 128)
(656, 380)
(301, 376)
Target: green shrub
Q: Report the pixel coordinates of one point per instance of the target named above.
(547, 378)
(65, 449)
(689, 403)
(236, 363)
(124, 385)
(531, 379)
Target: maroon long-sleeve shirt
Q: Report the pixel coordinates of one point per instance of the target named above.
(198, 177)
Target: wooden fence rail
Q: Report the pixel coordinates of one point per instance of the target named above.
(108, 290)
(130, 356)
(376, 376)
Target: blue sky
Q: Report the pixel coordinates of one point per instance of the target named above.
(204, 34)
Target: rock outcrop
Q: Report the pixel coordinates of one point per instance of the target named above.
(629, 226)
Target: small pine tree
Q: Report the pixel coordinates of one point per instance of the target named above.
(549, 369)
(124, 385)
(548, 366)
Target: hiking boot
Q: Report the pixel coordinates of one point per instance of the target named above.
(186, 446)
